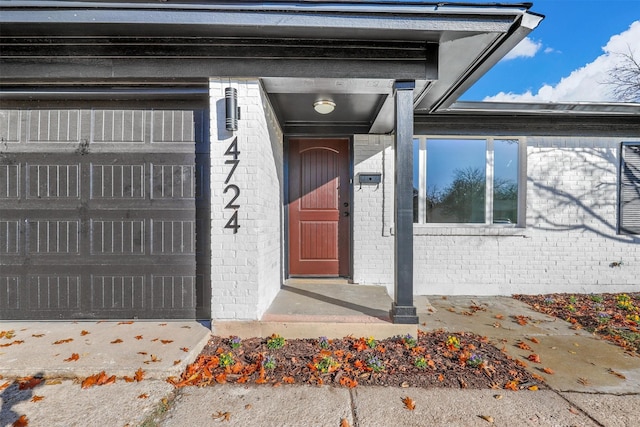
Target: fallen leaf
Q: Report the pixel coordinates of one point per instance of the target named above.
(128, 379)
(83, 333)
(617, 374)
(5, 385)
(497, 396)
(523, 346)
(534, 340)
(116, 341)
(573, 411)
(288, 380)
(533, 388)
(36, 398)
(143, 396)
(162, 324)
(409, 403)
(583, 381)
(548, 371)
(247, 406)
(37, 335)
(144, 353)
(139, 376)
(222, 416)
(23, 421)
(73, 358)
(511, 385)
(28, 383)
(176, 362)
(125, 323)
(487, 418)
(344, 423)
(166, 341)
(499, 316)
(89, 382)
(534, 358)
(54, 381)
(63, 341)
(138, 337)
(185, 349)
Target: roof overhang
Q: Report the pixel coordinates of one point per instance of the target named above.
(353, 49)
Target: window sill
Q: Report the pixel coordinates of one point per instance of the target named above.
(467, 230)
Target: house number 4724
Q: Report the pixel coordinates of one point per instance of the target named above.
(232, 151)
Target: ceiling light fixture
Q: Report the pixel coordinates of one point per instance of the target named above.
(324, 106)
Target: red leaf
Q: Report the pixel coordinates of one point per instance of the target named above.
(73, 358)
(23, 421)
(36, 398)
(409, 403)
(138, 337)
(64, 341)
(28, 383)
(116, 341)
(534, 358)
(166, 341)
(139, 376)
(83, 333)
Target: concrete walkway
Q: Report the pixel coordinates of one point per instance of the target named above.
(594, 383)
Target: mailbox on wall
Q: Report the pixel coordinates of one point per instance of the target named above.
(372, 178)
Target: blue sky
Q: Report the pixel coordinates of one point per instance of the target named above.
(574, 42)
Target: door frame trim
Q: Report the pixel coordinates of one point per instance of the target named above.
(285, 204)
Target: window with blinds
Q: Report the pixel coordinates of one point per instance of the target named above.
(629, 212)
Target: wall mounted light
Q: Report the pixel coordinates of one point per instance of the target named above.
(231, 106)
(324, 106)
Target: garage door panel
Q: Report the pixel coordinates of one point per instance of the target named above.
(98, 214)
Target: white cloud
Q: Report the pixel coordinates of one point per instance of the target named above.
(585, 83)
(527, 48)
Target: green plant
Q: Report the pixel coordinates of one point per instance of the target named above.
(375, 364)
(371, 342)
(603, 318)
(323, 343)
(409, 341)
(573, 299)
(420, 362)
(269, 362)
(327, 364)
(570, 308)
(453, 342)
(634, 318)
(226, 359)
(275, 342)
(235, 342)
(596, 298)
(625, 303)
(475, 360)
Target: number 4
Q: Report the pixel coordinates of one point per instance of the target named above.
(233, 222)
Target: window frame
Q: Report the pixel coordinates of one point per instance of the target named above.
(421, 161)
(620, 229)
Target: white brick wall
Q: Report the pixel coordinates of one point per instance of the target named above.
(568, 244)
(247, 266)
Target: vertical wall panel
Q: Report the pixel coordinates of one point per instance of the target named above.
(10, 237)
(54, 126)
(119, 126)
(10, 292)
(54, 237)
(10, 126)
(53, 181)
(48, 292)
(9, 182)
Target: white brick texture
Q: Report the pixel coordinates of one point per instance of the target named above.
(247, 266)
(568, 245)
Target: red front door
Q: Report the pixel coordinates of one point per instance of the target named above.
(319, 207)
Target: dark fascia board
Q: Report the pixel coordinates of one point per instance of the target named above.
(530, 124)
(353, 20)
(543, 108)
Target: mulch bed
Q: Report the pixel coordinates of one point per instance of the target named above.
(434, 359)
(615, 317)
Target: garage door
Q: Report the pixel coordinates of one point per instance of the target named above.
(98, 213)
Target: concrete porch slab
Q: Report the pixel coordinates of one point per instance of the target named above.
(310, 308)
